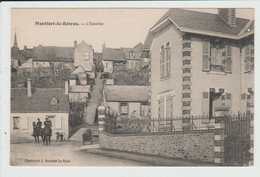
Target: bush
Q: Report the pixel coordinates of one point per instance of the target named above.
(130, 77)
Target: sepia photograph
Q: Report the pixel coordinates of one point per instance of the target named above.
(132, 87)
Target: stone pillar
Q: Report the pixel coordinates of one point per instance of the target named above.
(251, 162)
(219, 138)
(101, 118)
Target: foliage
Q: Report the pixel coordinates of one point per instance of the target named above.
(130, 77)
(100, 67)
(76, 114)
(43, 77)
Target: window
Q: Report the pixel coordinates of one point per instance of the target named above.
(16, 122)
(161, 107)
(132, 55)
(165, 60)
(86, 56)
(165, 107)
(216, 56)
(144, 109)
(169, 109)
(123, 109)
(249, 58)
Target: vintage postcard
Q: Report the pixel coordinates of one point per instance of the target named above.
(132, 87)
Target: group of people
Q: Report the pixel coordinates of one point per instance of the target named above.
(47, 124)
(60, 136)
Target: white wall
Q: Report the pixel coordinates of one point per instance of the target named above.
(108, 66)
(173, 83)
(60, 122)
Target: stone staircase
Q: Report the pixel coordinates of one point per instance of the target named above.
(94, 101)
(90, 113)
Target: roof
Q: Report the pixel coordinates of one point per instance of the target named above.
(39, 102)
(200, 23)
(113, 54)
(127, 93)
(27, 64)
(16, 54)
(53, 53)
(123, 53)
(98, 57)
(78, 70)
(203, 21)
(27, 53)
(80, 88)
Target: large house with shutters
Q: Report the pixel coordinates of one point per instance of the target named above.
(201, 64)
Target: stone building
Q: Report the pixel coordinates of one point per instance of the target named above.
(201, 63)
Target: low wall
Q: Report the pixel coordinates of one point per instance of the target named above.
(192, 145)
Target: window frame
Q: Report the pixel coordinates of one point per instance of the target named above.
(208, 56)
(250, 57)
(16, 126)
(165, 60)
(164, 99)
(120, 110)
(144, 104)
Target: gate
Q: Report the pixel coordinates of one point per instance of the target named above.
(237, 140)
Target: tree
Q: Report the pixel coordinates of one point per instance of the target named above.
(130, 77)
(76, 114)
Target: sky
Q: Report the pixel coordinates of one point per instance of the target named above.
(121, 27)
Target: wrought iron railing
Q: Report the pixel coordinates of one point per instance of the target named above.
(118, 125)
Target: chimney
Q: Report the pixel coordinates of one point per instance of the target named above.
(25, 47)
(66, 87)
(228, 15)
(103, 46)
(75, 44)
(29, 87)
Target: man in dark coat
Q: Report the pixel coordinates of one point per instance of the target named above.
(48, 124)
(39, 123)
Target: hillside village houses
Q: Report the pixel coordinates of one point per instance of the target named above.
(201, 64)
(117, 58)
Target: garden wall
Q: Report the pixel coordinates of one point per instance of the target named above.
(191, 145)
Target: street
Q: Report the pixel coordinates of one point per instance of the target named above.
(74, 154)
(61, 154)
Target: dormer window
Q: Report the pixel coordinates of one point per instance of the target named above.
(54, 101)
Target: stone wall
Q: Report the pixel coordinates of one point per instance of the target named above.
(192, 145)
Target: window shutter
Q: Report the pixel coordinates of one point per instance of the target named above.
(161, 108)
(161, 65)
(247, 59)
(228, 64)
(250, 104)
(229, 102)
(205, 103)
(243, 103)
(169, 110)
(252, 51)
(24, 123)
(205, 56)
(168, 62)
(58, 122)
